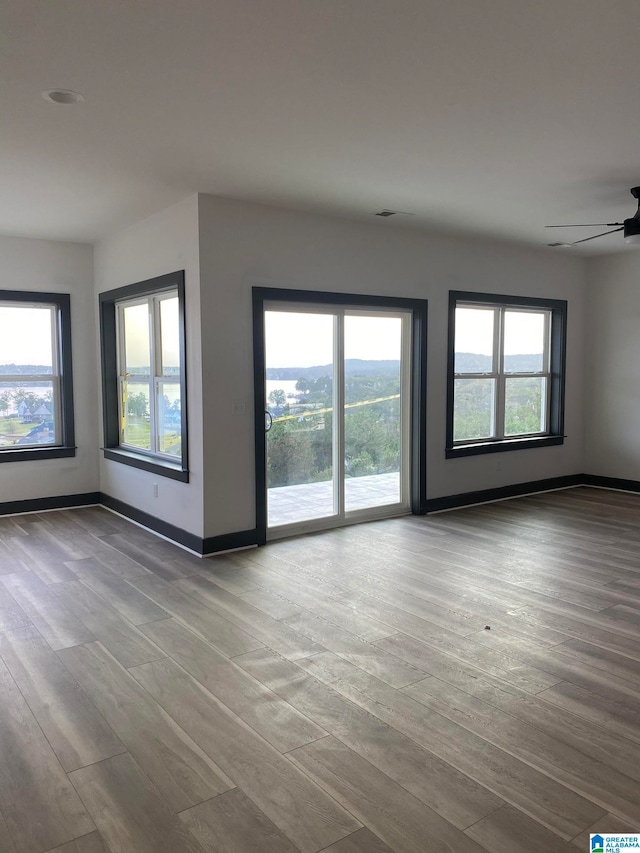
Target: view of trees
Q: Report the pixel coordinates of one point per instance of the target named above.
(138, 427)
(525, 397)
(473, 409)
(301, 438)
(21, 409)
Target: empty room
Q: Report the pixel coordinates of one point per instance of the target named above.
(319, 447)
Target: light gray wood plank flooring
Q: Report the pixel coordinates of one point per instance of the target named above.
(466, 682)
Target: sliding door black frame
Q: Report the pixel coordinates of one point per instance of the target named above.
(418, 394)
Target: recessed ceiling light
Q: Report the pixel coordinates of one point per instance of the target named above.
(62, 96)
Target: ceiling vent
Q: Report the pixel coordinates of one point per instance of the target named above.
(393, 213)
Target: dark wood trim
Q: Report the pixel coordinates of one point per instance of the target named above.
(248, 538)
(66, 371)
(210, 545)
(503, 445)
(153, 464)
(229, 541)
(486, 495)
(418, 413)
(20, 455)
(141, 288)
(177, 534)
(109, 361)
(506, 300)
(55, 502)
(558, 358)
(259, 407)
(611, 483)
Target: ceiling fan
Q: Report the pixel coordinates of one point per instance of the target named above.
(631, 227)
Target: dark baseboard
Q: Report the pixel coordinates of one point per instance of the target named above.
(611, 483)
(503, 492)
(229, 541)
(57, 502)
(248, 538)
(177, 534)
(210, 545)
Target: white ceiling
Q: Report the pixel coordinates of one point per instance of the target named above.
(487, 116)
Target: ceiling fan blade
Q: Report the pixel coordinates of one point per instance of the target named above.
(588, 225)
(595, 236)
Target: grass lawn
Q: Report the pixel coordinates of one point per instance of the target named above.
(11, 429)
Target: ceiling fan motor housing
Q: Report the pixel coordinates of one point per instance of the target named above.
(632, 228)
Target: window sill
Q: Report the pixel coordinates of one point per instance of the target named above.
(480, 448)
(22, 455)
(161, 467)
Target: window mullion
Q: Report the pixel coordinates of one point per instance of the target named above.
(122, 371)
(498, 356)
(153, 371)
(547, 368)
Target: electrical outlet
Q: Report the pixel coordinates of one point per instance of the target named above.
(238, 407)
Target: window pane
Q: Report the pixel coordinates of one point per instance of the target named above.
(27, 414)
(170, 333)
(26, 339)
(137, 357)
(473, 409)
(474, 340)
(524, 336)
(136, 429)
(372, 421)
(169, 419)
(525, 405)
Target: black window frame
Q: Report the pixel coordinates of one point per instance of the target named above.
(67, 447)
(160, 465)
(557, 355)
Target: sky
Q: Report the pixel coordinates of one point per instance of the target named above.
(524, 331)
(306, 340)
(137, 333)
(25, 335)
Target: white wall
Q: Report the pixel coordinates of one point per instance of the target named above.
(242, 245)
(612, 380)
(163, 243)
(43, 265)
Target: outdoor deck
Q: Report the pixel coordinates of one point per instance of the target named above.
(289, 504)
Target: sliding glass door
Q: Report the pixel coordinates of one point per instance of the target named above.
(337, 414)
(300, 391)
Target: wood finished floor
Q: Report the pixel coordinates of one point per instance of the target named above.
(463, 682)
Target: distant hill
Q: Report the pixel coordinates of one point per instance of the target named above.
(352, 367)
(24, 369)
(471, 362)
(466, 362)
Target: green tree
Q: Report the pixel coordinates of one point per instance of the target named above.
(20, 395)
(290, 458)
(5, 402)
(137, 405)
(277, 397)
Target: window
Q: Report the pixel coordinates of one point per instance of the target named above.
(143, 356)
(36, 396)
(506, 373)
